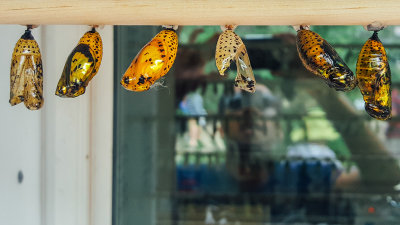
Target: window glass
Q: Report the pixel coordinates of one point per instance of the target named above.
(196, 150)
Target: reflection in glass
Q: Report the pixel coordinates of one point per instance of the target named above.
(203, 152)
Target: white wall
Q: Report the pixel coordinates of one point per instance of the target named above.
(20, 144)
(59, 148)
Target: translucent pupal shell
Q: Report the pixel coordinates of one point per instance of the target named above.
(82, 65)
(26, 74)
(152, 62)
(230, 47)
(320, 58)
(374, 79)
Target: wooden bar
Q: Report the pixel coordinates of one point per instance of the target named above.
(200, 12)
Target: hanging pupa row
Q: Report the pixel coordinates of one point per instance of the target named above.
(372, 72)
(26, 74)
(150, 64)
(317, 55)
(156, 58)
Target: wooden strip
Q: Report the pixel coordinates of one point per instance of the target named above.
(200, 12)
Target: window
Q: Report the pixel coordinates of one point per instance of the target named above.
(195, 150)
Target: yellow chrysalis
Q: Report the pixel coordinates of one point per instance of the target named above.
(82, 65)
(374, 78)
(152, 62)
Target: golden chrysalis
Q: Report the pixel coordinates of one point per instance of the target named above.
(320, 58)
(82, 65)
(153, 61)
(374, 78)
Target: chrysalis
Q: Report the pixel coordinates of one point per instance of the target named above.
(374, 79)
(320, 58)
(152, 62)
(230, 47)
(26, 75)
(82, 65)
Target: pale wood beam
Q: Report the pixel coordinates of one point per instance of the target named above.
(200, 12)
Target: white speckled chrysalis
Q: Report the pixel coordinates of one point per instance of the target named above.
(230, 47)
(26, 74)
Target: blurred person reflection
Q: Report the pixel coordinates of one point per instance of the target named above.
(259, 161)
(251, 133)
(189, 73)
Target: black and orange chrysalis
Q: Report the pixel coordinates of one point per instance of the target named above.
(152, 62)
(320, 58)
(82, 65)
(26, 74)
(374, 79)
